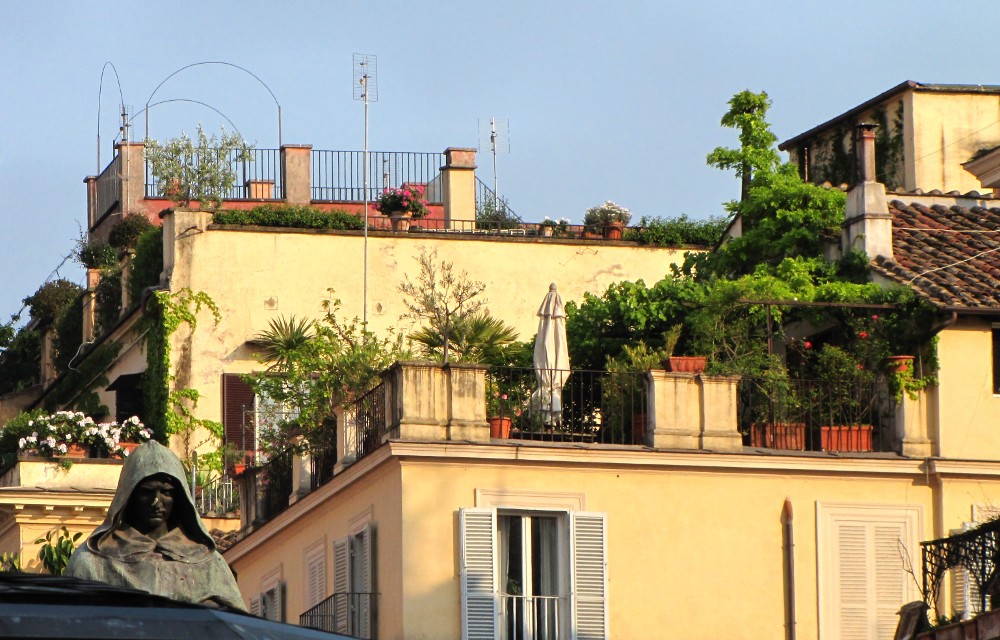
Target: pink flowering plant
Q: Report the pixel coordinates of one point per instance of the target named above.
(53, 435)
(406, 199)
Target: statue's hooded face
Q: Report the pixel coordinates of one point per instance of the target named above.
(153, 498)
(151, 505)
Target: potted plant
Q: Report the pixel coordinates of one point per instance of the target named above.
(845, 398)
(402, 204)
(498, 413)
(608, 218)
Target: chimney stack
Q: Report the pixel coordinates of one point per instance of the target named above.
(867, 222)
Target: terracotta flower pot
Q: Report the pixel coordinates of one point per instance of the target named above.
(855, 437)
(614, 231)
(128, 447)
(686, 364)
(77, 451)
(400, 220)
(788, 436)
(499, 427)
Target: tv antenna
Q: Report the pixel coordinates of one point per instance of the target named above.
(499, 141)
(366, 90)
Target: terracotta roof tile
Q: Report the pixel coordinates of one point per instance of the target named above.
(950, 255)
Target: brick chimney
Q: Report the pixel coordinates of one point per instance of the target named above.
(867, 222)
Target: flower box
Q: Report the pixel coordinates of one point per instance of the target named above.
(685, 364)
(789, 436)
(855, 437)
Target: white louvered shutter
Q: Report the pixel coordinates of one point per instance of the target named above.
(365, 583)
(315, 578)
(871, 579)
(588, 538)
(890, 578)
(341, 583)
(852, 581)
(478, 565)
(965, 591)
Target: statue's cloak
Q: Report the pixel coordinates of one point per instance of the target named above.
(183, 564)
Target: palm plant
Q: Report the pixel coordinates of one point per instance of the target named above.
(476, 338)
(283, 338)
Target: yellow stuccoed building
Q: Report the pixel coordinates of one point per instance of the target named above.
(431, 528)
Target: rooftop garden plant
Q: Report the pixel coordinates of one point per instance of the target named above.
(199, 170)
(53, 435)
(290, 216)
(406, 199)
(606, 214)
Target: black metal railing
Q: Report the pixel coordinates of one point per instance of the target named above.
(269, 486)
(256, 166)
(218, 497)
(366, 423)
(350, 613)
(493, 210)
(109, 188)
(567, 405)
(338, 176)
(974, 551)
(321, 463)
(816, 415)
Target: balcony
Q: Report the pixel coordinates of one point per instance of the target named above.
(816, 415)
(346, 612)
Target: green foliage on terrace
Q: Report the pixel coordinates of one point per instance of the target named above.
(146, 264)
(729, 302)
(290, 216)
(677, 232)
(77, 388)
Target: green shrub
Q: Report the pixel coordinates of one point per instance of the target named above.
(146, 265)
(676, 232)
(108, 299)
(51, 298)
(291, 216)
(69, 334)
(19, 361)
(126, 233)
(96, 254)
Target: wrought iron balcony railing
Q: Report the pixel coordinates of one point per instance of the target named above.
(348, 612)
(816, 415)
(974, 553)
(568, 405)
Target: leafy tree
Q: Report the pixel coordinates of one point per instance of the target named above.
(747, 111)
(200, 170)
(442, 297)
(127, 231)
(48, 302)
(315, 367)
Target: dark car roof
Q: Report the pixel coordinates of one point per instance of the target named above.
(42, 606)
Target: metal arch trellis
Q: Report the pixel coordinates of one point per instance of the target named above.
(974, 550)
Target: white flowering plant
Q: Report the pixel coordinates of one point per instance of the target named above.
(53, 435)
(606, 214)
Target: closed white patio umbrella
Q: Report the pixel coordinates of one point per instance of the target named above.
(551, 358)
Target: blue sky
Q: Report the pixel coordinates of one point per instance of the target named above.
(616, 101)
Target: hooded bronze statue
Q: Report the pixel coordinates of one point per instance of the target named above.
(153, 538)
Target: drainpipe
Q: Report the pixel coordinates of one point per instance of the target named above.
(786, 513)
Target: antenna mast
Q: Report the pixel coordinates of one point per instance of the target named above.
(497, 137)
(366, 90)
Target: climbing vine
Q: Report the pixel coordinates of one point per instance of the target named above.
(166, 312)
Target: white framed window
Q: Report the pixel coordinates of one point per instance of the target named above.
(533, 575)
(271, 602)
(314, 560)
(864, 557)
(354, 598)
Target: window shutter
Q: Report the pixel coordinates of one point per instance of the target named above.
(315, 578)
(965, 591)
(341, 583)
(890, 578)
(364, 598)
(255, 606)
(237, 416)
(852, 574)
(479, 593)
(279, 602)
(588, 539)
